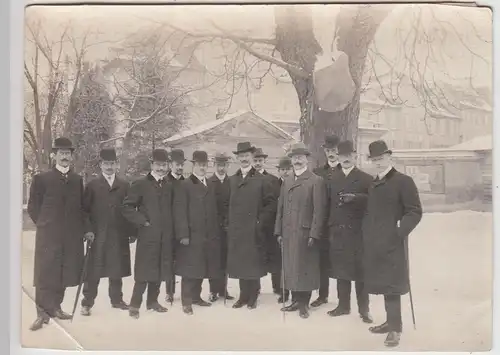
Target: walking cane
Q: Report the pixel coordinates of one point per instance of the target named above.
(409, 283)
(225, 288)
(283, 280)
(82, 277)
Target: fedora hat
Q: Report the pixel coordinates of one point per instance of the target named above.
(378, 148)
(177, 155)
(159, 155)
(259, 153)
(200, 156)
(299, 149)
(221, 158)
(345, 148)
(285, 163)
(63, 143)
(244, 147)
(331, 141)
(108, 154)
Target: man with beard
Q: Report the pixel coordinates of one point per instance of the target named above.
(251, 204)
(110, 253)
(195, 212)
(326, 171)
(272, 249)
(174, 176)
(347, 194)
(299, 224)
(148, 206)
(220, 180)
(393, 211)
(56, 207)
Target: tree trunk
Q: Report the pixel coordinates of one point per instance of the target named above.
(123, 161)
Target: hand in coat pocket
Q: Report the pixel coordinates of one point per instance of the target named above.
(185, 241)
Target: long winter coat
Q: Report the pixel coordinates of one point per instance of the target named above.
(251, 206)
(149, 201)
(222, 194)
(345, 222)
(110, 253)
(175, 184)
(195, 212)
(392, 200)
(300, 216)
(273, 253)
(56, 207)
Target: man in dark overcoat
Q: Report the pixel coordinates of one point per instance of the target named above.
(174, 176)
(56, 207)
(110, 253)
(251, 204)
(299, 224)
(198, 254)
(148, 206)
(220, 180)
(272, 249)
(393, 211)
(326, 171)
(347, 194)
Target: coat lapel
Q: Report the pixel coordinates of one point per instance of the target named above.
(378, 182)
(300, 179)
(243, 181)
(198, 184)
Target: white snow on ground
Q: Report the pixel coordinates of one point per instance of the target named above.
(451, 273)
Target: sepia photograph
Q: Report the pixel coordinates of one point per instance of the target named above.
(312, 177)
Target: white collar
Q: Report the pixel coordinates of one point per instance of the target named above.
(347, 171)
(201, 178)
(62, 169)
(176, 177)
(220, 177)
(262, 171)
(385, 172)
(300, 171)
(333, 165)
(245, 171)
(156, 176)
(109, 177)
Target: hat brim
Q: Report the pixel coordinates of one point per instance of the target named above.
(221, 161)
(262, 156)
(54, 149)
(178, 160)
(199, 161)
(301, 152)
(328, 146)
(251, 149)
(388, 151)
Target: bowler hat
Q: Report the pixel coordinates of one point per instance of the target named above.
(285, 163)
(159, 155)
(108, 154)
(331, 141)
(259, 153)
(221, 158)
(378, 148)
(63, 143)
(299, 149)
(200, 156)
(177, 155)
(244, 147)
(345, 148)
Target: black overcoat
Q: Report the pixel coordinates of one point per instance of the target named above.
(345, 222)
(110, 253)
(149, 201)
(195, 212)
(273, 252)
(56, 207)
(251, 206)
(175, 183)
(392, 200)
(222, 193)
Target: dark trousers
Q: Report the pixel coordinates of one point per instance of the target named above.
(324, 272)
(302, 297)
(190, 290)
(48, 300)
(249, 290)
(138, 292)
(277, 284)
(393, 311)
(218, 286)
(170, 286)
(344, 295)
(90, 288)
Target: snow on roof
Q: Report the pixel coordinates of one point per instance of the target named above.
(477, 143)
(215, 123)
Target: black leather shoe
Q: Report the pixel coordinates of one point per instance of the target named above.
(202, 303)
(39, 322)
(392, 339)
(59, 314)
(319, 301)
(157, 308)
(133, 312)
(380, 329)
(188, 310)
(213, 297)
(121, 305)
(169, 298)
(304, 312)
(252, 304)
(338, 312)
(291, 308)
(283, 300)
(85, 311)
(366, 317)
(239, 304)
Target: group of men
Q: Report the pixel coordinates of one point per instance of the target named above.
(303, 227)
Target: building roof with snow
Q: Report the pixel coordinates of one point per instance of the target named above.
(480, 143)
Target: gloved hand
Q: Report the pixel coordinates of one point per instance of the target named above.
(132, 239)
(346, 198)
(89, 237)
(185, 241)
(310, 242)
(280, 240)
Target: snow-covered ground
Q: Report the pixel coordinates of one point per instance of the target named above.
(451, 274)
